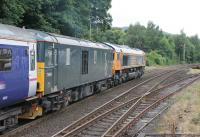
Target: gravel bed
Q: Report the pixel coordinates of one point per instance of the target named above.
(52, 125)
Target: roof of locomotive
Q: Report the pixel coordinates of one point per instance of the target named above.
(125, 49)
(61, 39)
(15, 33)
(20, 34)
(115, 46)
(41, 36)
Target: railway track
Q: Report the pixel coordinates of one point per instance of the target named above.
(170, 135)
(26, 125)
(150, 78)
(104, 120)
(146, 103)
(110, 106)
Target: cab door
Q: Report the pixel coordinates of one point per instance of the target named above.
(106, 64)
(51, 69)
(55, 69)
(32, 70)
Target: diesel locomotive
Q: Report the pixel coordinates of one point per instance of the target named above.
(42, 72)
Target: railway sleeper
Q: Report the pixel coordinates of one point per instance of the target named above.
(99, 127)
(108, 121)
(86, 134)
(103, 124)
(96, 129)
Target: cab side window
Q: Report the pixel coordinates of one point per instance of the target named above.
(118, 56)
(84, 62)
(95, 57)
(67, 56)
(125, 60)
(49, 57)
(32, 60)
(5, 59)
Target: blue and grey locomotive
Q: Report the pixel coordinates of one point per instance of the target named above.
(41, 72)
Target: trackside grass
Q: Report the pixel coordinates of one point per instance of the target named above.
(184, 115)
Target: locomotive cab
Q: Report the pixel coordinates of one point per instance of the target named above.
(17, 66)
(17, 72)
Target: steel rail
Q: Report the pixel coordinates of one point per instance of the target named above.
(135, 105)
(123, 130)
(66, 131)
(146, 124)
(148, 93)
(171, 135)
(20, 128)
(74, 127)
(33, 123)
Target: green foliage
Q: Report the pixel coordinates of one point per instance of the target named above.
(114, 35)
(161, 48)
(11, 11)
(90, 19)
(98, 14)
(135, 36)
(68, 17)
(153, 58)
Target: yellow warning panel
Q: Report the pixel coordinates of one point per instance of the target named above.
(40, 76)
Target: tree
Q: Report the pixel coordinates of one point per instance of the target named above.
(196, 54)
(114, 35)
(99, 16)
(66, 17)
(11, 11)
(135, 36)
(153, 36)
(79, 18)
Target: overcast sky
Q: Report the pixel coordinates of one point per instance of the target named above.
(170, 15)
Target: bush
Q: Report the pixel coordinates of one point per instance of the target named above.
(154, 58)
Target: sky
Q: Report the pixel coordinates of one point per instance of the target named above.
(171, 15)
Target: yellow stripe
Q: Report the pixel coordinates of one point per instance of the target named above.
(40, 76)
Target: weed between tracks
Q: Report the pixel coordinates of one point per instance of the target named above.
(184, 115)
(194, 71)
(149, 68)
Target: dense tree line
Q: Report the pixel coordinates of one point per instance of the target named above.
(162, 48)
(68, 17)
(90, 19)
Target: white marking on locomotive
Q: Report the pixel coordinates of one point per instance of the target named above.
(14, 42)
(5, 98)
(49, 74)
(2, 86)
